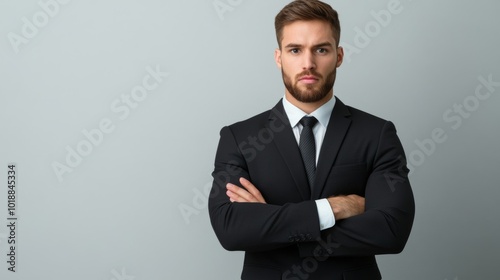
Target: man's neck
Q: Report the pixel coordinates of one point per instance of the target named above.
(308, 107)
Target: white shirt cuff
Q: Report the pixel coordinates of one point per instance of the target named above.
(325, 214)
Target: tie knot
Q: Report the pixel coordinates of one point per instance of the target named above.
(308, 121)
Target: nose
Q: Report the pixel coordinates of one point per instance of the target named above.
(309, 62)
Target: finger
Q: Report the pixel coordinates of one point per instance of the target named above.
(232, 193)
(243, 195)
(233, 197)
(252, 190)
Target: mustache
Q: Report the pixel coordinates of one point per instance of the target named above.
(309, 73)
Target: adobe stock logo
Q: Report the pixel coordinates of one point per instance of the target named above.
(122, 275)
(122, 108)
(224, 6)
(372, 29)
(31, 27)
(454, 117)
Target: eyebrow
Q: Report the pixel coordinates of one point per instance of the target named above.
(324, 44)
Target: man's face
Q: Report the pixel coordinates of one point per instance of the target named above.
(308, 59)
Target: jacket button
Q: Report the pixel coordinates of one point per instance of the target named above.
(290, 238)
(308, 236)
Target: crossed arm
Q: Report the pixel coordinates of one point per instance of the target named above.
(343, 207)
(379, 224)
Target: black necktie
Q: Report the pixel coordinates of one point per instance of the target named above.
(307, 147)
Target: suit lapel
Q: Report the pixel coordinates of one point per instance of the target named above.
(337, 128)
(288, 148)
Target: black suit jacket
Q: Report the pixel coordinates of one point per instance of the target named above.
(361, 154)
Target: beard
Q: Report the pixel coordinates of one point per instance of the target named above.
(312, 92)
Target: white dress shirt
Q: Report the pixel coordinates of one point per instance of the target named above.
(322, 114)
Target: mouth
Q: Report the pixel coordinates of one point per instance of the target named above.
(309, 79)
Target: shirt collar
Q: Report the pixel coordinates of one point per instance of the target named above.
(322, 114)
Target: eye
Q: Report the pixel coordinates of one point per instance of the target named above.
(322, 50)
(294, 51)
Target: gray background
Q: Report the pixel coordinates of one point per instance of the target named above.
(118, 215)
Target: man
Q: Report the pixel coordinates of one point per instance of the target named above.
(311, 189)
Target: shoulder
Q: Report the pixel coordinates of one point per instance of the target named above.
(247, 127)
(356, 115)
(361, 115)
(259, 122)
(368, 122)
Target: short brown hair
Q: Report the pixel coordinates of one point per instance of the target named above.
(307, 10)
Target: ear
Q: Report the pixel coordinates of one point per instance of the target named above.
(340, 56)
(277, 57)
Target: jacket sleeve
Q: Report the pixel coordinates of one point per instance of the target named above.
(385, 225)
(254, 226)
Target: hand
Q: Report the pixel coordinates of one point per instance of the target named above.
(249, 194)
(347, 206)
